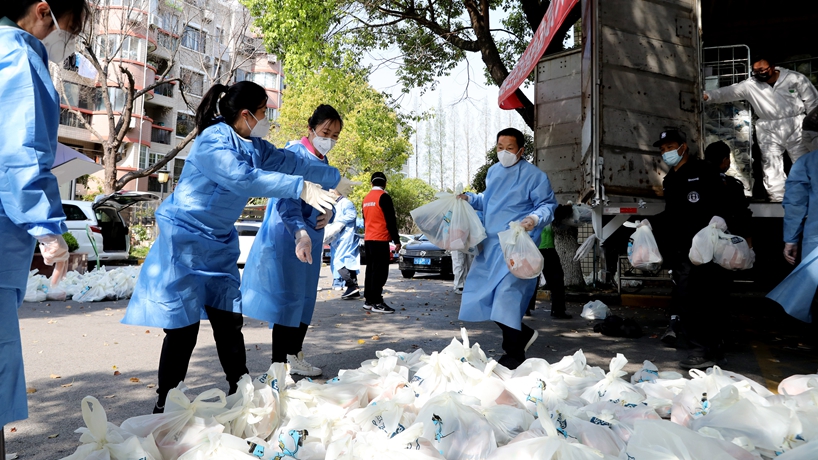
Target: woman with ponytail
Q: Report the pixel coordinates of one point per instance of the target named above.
(32, 32)
(190, 272)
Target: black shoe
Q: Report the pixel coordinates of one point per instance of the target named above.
(527, 314)
(352, 292)
(698, 362)
(510, 362)
(669, 337)
(381, 308)
(560, 315)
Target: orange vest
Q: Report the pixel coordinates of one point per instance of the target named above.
(373, 217)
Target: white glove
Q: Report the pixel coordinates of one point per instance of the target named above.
(530, 222)
(324, 219)
(53, 249)
(345, 186)
(318, 198)
(303, 247)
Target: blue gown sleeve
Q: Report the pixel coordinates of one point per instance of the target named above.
(288, 162)
(348, 214)
(475, 200)
(544, 201)
(29, 192)
(226, 166)
(291, 215)
(796, 201)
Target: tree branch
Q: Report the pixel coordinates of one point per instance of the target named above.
(121, 182)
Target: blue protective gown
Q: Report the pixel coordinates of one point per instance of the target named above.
(491, 292)
(276, 286)
(344, 251)
(795, 293)
(193, 261)
(30, 204)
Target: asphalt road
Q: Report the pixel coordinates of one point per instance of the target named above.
(72, 350)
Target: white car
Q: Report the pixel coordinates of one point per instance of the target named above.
(247, 230)
(102, 217)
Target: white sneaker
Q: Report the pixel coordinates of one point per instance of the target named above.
(300, 367)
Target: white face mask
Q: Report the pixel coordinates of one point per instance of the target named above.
(323, 144)
(59, 44)
(507, 159)
(262, 128)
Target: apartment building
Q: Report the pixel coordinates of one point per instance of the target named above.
(201, 42)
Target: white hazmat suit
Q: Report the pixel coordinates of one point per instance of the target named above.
(781, 109)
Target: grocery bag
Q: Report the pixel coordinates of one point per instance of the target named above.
(613, 387)
(704, 243)
(522, 256)
(643, 252)
(595, 309)
(733, 253)
(449, 222)
(456, 429)
(664, 440)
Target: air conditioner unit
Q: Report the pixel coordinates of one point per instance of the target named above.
(132, 124)
(208, 61)
(209, 16)
(272, 59)
(157, 22)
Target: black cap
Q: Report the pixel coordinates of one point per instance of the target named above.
(378, 176)
(671, 135)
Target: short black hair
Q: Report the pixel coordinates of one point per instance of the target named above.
(378, 177)
(763, 57)
(515, 133)
(78, 9)
(716, 152)
(323, 113)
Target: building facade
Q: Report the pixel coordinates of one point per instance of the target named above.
(200, 42)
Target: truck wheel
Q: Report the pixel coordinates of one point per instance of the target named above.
(408, 273)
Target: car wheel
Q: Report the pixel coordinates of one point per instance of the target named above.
(408, 273)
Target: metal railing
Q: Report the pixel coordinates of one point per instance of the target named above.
(68, 118)
(165, 89)
(161, 136)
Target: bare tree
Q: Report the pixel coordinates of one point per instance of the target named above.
(120, 38)
(454, 119)
(467, 141)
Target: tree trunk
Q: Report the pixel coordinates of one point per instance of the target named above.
(109, 158)
(565, 241)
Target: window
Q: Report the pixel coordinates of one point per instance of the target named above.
(166, 41)
(185, 123)
(117, 97)
(129, 47)
(170, 22)
(178, 165)
(154, 185)
(165, 89)
(220, 35)
(73, 212)
(265, 80)
(147, 158)
(80, 96)
(194, 39)
(243, 75)
(68, 118)
(192, 82)
(272, 114)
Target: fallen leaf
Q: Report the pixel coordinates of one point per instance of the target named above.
(134, 380)
(148, 331)
(13, 429)
(114, 367)
(109, 397)
(52, 321)
(361, 341)
(55, 376)
(151, 385)
(52, 436)
(376, 337)
(117, 373)
(31, 390)
(68, 307)
(66, 385)
(107, 308)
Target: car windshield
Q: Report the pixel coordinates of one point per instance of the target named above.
(422, 238)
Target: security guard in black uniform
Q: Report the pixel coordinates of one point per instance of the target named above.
(694, 193)
(737, 208)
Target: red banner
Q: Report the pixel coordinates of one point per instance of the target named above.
(554, 17)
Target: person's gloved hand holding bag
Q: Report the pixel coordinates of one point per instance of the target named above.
(53, 249)
(303, 246)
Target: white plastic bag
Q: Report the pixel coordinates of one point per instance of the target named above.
(612, 387)
(643, 252)
(449, 222)
(704, 243)
(522, 256)
(332, 231)
(663, 440)
(595, 309)
(457, 430)
(733, 253)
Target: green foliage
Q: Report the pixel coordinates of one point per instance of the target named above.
(139, 252)
(72, 243)
(374, 138)
(139, 234)
(408, 194)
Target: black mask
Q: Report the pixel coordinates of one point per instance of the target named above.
(763, 76)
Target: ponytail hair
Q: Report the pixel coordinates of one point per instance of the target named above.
(78, 9)
(323, 113)
(227, 102)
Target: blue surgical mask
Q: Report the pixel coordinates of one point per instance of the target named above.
(672, 158)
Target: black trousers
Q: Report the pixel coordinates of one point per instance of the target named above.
(287, 341)
(514, 341)
(377, 270)
(704, 313)
(350, 277)
(554, 278)
(178, 346)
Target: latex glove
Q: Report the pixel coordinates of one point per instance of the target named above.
(790, 252)
(303, 247)
(323, 220)
(318, 198)
(705, 96)
(53, 249)
(345, 186)
(58, 274)
(529, 223)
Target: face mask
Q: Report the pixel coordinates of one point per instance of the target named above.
(672, 158)
(59, 44)
(763, 76)
(323, 144)
(507, 159)
(262, 128)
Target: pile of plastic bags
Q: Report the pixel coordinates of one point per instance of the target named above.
(459, 404)
(93, 286)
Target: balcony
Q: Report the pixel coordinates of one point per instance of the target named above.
(71, 119)
(161, 135)
(165, 89)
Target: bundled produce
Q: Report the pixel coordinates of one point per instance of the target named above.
(460, 404)
(100, 284)
(522, 256)
(449, 222)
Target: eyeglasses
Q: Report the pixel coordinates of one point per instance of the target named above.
(758, 71)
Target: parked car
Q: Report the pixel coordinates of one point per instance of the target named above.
(108, 229)
(247, 230)
(420, 255)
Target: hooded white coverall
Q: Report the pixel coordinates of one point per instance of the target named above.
(781, 109)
